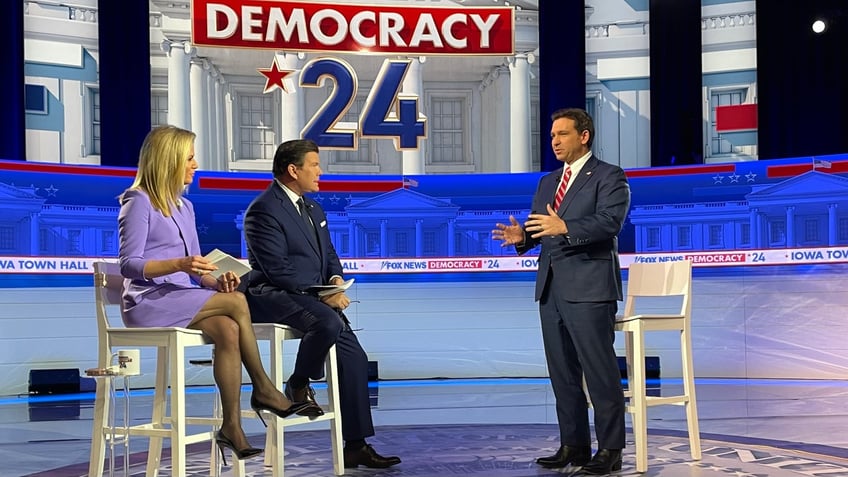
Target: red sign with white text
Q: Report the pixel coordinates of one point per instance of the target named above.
(373, 29)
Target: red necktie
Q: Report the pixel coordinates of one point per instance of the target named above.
(560, 193)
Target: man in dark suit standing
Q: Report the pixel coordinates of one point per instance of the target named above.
(289, 250)
(576, 215)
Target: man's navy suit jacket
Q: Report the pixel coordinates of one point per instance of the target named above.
(594, 209)
(283, 252)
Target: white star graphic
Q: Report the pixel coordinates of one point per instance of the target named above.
(750, 176)
(734, 177)
(335, 199)
(349, 199)
(202, 229)
(717, 179)
(318, 198)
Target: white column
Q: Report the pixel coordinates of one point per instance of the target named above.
(292, 104)
(790, 226)
(519, 117)
(755, 234)
(640, 238)
(199, 111)
(34, 235)
(502, 88)
(384, 238)
(832, 225)
(179, 54)
(351, 239)
(214, 162)
(495, 121)
(413, 160)
(239, 222)
(229, 135)
(451, 238)
(419, 238)
(221, 125)
(757, 228)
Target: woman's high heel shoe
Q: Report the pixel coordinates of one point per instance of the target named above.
(258, 407)
(240, 454)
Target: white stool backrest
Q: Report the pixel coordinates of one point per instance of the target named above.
(108, 288)
(663, 279)
(659, 279)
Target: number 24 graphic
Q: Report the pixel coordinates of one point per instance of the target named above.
(387, 112)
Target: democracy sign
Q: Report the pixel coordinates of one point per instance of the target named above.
(357, 28)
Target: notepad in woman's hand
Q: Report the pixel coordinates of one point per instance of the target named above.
(226, 263)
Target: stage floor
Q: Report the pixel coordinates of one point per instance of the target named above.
(487, 428)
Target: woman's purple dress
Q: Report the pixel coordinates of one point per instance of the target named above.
(145, 234)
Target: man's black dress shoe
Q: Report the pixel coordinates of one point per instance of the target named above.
(604, 462)
(304, 395)
(574, 455)
(368, 457)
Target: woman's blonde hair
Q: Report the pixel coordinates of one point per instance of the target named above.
(161, 166)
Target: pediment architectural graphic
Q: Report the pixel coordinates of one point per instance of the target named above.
(811, 186)
(18, 203)
(402, 200)
(10, 191)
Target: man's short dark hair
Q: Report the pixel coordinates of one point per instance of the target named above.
(582, 121)
(292, 152)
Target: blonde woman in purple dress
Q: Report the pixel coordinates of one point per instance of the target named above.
(167, 280)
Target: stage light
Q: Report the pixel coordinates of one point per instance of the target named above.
(819, 26)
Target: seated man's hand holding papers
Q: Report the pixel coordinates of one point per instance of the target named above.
(333, 295)
(326, 290)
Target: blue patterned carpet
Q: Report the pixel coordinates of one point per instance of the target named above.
(509, 451)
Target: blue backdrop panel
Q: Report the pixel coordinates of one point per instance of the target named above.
(124, 32)
(676, 98)
(801, 78)
(562, 75)
(12, 117)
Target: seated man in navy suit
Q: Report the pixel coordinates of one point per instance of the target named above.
(289, 250)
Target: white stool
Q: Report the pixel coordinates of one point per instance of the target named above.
(658, 281)
(278, 334)
(169, 419)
